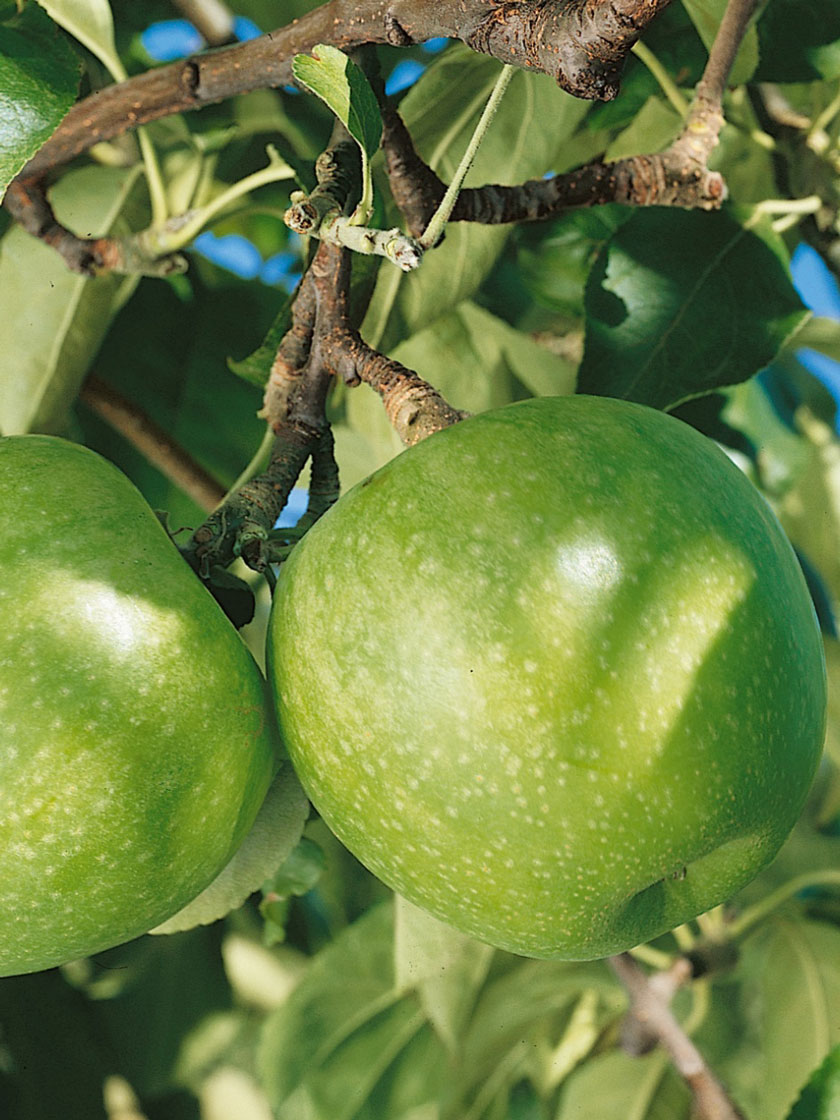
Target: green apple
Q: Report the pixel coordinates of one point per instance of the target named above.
(135, 749)
(554, 675)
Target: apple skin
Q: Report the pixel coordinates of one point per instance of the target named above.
(135, 746)
(554, 675)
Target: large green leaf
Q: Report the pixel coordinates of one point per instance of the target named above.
(820, 1099)
(413, 1085)
(342, 85)
(476, 360)
(54, 320)
(166, 355)
(554, 258)
(54, 1058)
(325, 1049)
(799, 41)
(795, 965)
(91, 22)
(615, 1085)
(444, 966)
(441, 112)
(39, 79)
(681, 303)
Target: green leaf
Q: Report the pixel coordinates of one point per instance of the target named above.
(256, 366)
(54, 320)
(91, 22)
(475, 359)
(799, 41)
(413, 1085)
(53, 1054)
(441, 111)
(554, 258)
(325, 1049)
(274, 833)
(820, 1099)
(522, 1015)
(479, 362)
(160, 990)
(39, 79)
(167, 356)
(681, 303)
(706, 15)
(652, 129)
(796, 964)
(615, 1084)
(810, 509)
(445, 967)
(339, 82)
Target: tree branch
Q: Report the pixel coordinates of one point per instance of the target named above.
(415, 408)
(670, 178)
(650, 1018)
(292, 355)
(582, 43)
(705, 117)
(678, 176)
(156, 445)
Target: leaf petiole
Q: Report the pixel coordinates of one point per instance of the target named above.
(434, 230)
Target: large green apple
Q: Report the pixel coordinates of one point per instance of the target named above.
(134, 745)
(554, 675)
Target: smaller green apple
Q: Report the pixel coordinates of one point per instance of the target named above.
(135, 749)
(554, 675)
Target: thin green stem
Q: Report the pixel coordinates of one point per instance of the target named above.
(666, 83)
(809, 205)
(684, 937)
(180, 230)
(154, 179)
(656, 958)
(826, 116)
(699, 1007)
(364, 209)
(711, 924)
(435, 228)
(828, 877)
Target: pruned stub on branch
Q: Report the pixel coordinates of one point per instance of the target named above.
(582, 44)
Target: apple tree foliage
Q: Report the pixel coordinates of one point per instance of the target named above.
(298, 986)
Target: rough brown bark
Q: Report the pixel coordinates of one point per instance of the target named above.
(581, 43)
